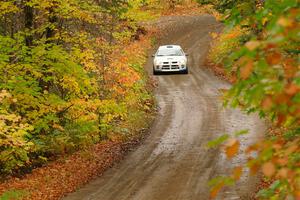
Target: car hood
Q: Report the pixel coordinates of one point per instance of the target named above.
(159, 59)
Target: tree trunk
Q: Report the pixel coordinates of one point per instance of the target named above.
(28, 12)
(52, 19)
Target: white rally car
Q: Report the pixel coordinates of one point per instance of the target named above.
(170, 58)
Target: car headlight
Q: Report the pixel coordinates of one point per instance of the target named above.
(182, 62)
(158, 63)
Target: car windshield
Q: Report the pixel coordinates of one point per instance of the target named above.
(169, 52)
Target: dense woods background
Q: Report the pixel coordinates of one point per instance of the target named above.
(65, 79)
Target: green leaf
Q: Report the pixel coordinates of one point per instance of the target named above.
(218, 141)
(241, 132)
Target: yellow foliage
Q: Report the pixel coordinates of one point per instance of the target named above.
(7, 7)
(13, 132)
(224, 44)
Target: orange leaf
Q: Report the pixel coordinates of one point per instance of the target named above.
(281, 118)
(232, 148)
(58, 127)
(267, 103)
(282, 98)
(216, 189)
(268, 169)
(237, 173)
(270, 46)
(254, 169)
(274, 58)
(283, 173)
(246, 70)
(291, 149)
(292, 89)
(284, 22)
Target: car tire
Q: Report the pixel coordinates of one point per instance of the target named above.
(186, 71)
(155, 72)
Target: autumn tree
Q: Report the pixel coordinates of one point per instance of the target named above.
(266, 67)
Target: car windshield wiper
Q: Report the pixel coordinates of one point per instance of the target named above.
(169, 55)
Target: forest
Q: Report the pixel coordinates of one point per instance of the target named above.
(72, 75)
(62, 87)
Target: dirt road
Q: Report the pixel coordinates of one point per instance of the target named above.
(173, 163)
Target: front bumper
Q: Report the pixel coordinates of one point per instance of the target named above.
(170, 69)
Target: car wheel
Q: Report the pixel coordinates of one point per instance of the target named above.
(186, 71)
(155, 72)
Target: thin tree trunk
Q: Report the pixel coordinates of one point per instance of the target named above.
(50, 32)
(28, 11)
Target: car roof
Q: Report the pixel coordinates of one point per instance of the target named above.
(169, 47)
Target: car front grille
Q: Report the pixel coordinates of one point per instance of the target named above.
(170, 65)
